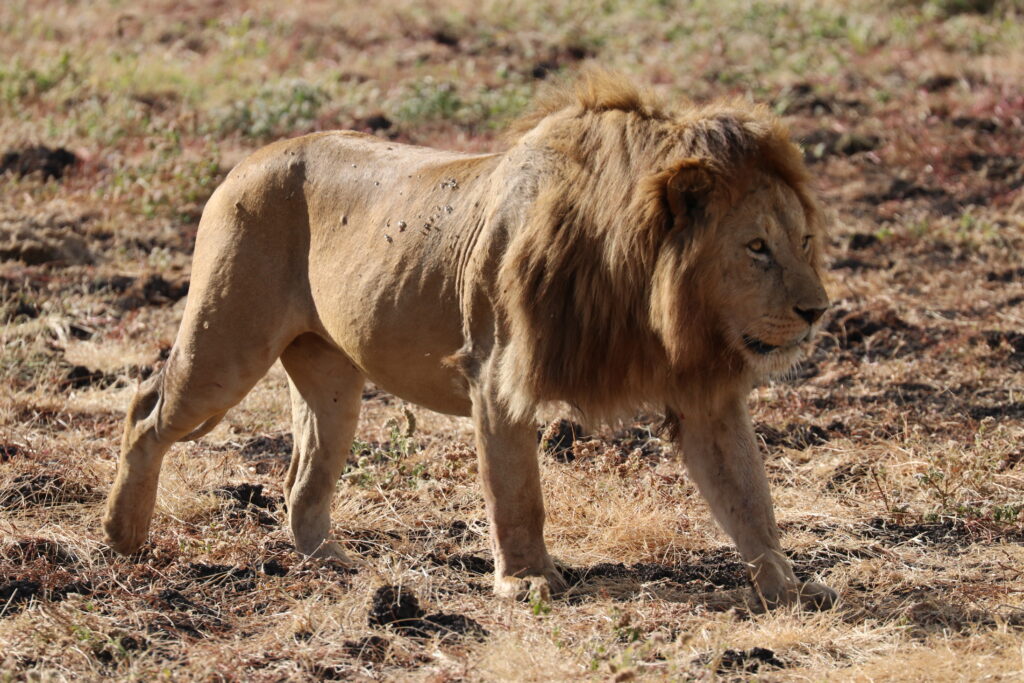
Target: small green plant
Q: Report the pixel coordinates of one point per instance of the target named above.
(429, 100)
(18, 82)
(280, 109)
(538, 605)
(386, 464)
(1007, 513)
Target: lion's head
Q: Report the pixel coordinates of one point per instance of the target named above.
(667, 252)
(748, 248)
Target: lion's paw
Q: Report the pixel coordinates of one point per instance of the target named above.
(817, 596)
(530, 588)
(332, 551)
(809, 596)
(123, 537)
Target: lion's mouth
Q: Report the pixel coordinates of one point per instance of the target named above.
(758, 346)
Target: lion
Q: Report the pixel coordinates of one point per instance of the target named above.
(618, 255)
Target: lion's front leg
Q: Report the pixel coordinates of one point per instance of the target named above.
(722, 456)
(509, 471)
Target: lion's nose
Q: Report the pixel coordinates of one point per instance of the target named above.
(811, 315)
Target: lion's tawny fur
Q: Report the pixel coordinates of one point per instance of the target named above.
(617, 255)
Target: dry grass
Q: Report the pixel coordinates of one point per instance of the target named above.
(895, 452)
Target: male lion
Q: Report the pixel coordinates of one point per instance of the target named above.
(618, 255)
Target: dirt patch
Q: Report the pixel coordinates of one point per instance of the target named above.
(804, 98)
(845, 476)
(1011, 461)
(29, 549)
(43, 490)
(268, 445)
(325, 672)
(638, 440)
(903, 190)
(399, 609)
(1013, 411)
(241, 578)
(823, 143)
(464, 562)
(862, 240)
(749, 661)
(118, 647)
(979, 124)
(152, 290)
(368, 648)
(947, 532)
(557, 439)
(876, 334)
(796, 436)
(80, 377)
(248, 494)
(374, 123)
(714, 570)
(18, 308)
(939, 82)
(179, 616)
(823, 557)
(458, 531)
(1010, 345)
(250, 503)
(919, 399)
(371, 542)
(14, 593)
(274, 568)
(35, 242)
(1009, 275)
(9, 451)
(393, 606)
(372, 393)
(268, 453)
(1007, 170)
(49, 162)
(238, 579)
(857, 264)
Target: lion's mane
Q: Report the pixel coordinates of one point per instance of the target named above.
(605, 304)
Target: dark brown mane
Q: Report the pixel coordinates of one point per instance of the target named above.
(586, 282)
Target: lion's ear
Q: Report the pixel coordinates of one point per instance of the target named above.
(689, 187)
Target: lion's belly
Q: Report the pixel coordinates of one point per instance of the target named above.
(408, 368)
(398, 325)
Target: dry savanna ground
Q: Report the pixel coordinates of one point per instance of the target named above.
(895, 450)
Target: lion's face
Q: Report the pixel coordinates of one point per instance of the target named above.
(768, 290)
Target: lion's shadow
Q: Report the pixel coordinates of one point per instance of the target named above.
(718, 573)
(716, 579)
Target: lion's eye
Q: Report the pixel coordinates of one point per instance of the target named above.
(758, 247)
(807, 242)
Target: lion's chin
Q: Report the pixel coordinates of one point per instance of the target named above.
(771, 359)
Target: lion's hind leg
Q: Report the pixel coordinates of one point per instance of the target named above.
(326, 392)
(221, 351)
(191, 393)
